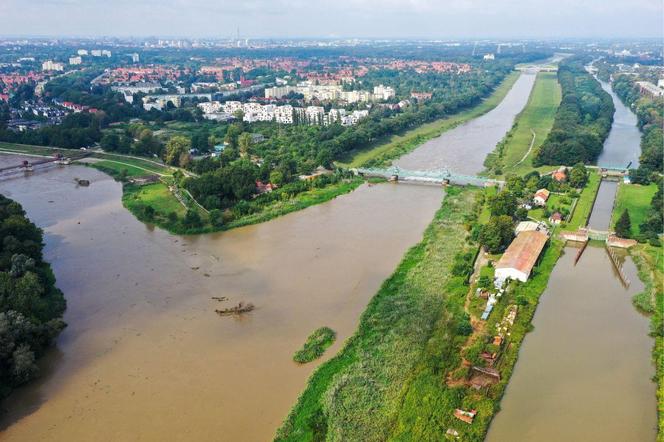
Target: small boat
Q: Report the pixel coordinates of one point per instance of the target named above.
(84, 183)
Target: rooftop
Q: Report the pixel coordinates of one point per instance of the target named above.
(522, 254)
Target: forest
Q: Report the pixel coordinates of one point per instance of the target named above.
(583, 119)
(31, 307)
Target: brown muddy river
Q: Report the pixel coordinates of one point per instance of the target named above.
(463, 149)
(584, 373)
(146, 358)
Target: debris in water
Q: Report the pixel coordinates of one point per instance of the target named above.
(237, 310)
(220, 298)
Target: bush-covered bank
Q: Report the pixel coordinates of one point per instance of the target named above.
(31, 306)
(650, 263)
(583, 119)
(399, 376)
(357, 394)
(316, 345)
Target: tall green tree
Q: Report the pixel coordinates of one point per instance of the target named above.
(497, 234)
(623, 226)
(176, 147)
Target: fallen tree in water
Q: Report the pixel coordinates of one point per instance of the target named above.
(240, 308)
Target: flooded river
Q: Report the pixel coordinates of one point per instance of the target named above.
(464, 148)
(145, 357)
(584, 373)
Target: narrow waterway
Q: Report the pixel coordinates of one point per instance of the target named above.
(145, 357)
(622, 145)
(463, 149)
(584, 373)
(600, 218)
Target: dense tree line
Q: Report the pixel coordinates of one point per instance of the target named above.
(650, 114)
(31, 306)
(583, 119)
(76, 130)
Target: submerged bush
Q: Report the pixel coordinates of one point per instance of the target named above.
(316, 345)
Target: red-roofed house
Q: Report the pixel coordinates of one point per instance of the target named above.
(541, 196)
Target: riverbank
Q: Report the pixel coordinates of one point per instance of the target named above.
(384, 151)
(515, 152)
(649, 261)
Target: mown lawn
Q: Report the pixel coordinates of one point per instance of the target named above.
(397, 145)
(636, 199)
(156, 195)
(537, 117)
(115, 169)
(585, 202)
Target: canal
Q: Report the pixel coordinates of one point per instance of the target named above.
(585, 372)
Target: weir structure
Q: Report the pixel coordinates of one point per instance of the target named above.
(436, 176)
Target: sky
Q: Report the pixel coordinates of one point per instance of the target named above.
(335, 18)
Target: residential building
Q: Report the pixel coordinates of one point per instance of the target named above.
(51, 65)
(381, 92)
(82, 52)
(135, 58)
(541, 196)
(489, 57)
(75, 60)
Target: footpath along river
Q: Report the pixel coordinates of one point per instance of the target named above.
(145, 356)
(585, 372)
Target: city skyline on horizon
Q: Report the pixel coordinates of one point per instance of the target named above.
(368, 19)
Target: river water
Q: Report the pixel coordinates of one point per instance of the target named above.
(622, 145)
(463, 149)
(145, 357)
(584, 373)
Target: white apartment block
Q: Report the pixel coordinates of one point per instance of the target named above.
(381, 92)
(82, 52)
(75, 60)
(50, 65)
(253, 112)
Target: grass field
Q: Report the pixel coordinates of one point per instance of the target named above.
(585, 202)
(156, 195)
(114, 168)
(537, 117)
(636, 199)
(398, 145)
